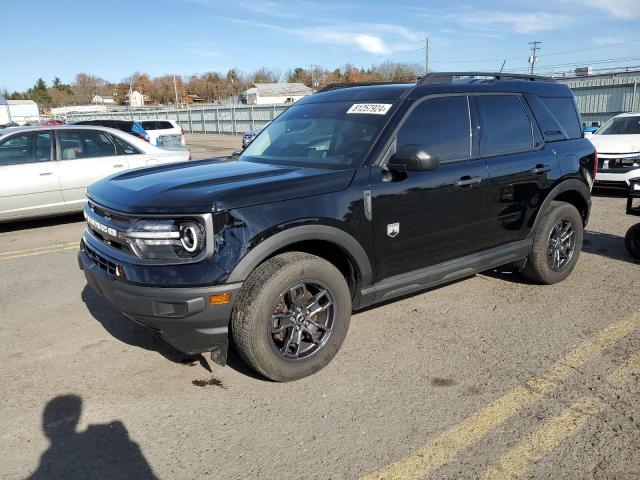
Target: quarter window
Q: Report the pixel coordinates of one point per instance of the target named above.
(505, 125)
(26, 148)
(441, 125)
(565, 112)
(86, 144)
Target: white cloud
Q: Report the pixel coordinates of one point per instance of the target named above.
(518, 22)
(626, 9)
(375, 38)
(605, 41)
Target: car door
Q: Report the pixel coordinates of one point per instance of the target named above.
(85, 156)
(30, 179)
(521, 170)
(422, 218)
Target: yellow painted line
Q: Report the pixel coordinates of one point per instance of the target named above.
(518, 461)
(39, 250)
(443, 448)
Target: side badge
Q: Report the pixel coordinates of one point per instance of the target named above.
(393, 229)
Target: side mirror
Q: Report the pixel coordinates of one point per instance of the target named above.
(413, 158)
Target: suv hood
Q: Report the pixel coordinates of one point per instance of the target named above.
(616, 143)
(215, 184)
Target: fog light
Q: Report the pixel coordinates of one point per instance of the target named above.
(220, 298)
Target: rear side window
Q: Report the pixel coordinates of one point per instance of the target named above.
(506, 127)
(85, 144)
(441, 125)
(125, 147)
(164, 126)
(149, 125)
(565, 112)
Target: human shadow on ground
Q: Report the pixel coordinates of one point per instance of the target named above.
(103, 451)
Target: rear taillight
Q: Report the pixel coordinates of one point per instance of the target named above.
(595, 164)
(181, 131)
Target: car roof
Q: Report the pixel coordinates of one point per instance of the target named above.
(396, 91)
(33, 128)
(628, 114)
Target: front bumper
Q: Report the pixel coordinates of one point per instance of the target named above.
(183, 316)
(613, 179)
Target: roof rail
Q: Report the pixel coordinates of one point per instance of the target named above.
(447, 77)
(336, 86)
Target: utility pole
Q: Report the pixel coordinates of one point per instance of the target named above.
(535, 46)
(175, 88)
(426, 55)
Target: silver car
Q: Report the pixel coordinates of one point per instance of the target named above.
(45, 170)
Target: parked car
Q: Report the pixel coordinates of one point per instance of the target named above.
(46, 170)
(129, 126)
(618, 145)
(352, 196)
(164, 133)
(248, 137)
(591, 129)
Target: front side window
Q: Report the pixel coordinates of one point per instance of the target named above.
(86, 144)
(621, 126)
(505, 125)
(317, 134)
(29, 147)
(441, 125)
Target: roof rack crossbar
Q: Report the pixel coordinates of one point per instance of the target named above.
(336, 86)
(447, 77)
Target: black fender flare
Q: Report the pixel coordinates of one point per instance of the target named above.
(280, 240)
(571, 184)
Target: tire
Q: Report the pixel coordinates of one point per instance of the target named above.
(269, 292)
(632, 240)
(539, 267)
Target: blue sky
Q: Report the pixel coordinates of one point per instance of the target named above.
(114, 38)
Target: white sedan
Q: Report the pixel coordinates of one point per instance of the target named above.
(618, 145)
(46, 170)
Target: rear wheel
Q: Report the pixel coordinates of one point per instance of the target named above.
(557, 242)
(291, 316)
(632, 240)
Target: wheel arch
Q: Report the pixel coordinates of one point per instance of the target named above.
(570, 191)
(334, 245)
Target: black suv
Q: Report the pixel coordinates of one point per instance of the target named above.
(354, 195)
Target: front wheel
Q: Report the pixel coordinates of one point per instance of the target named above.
(632, 240)
(291, 316)
(557, 242)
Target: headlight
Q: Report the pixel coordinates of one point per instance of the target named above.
(167, 239)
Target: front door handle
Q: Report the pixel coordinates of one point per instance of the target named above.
(118, 165)
(44, 174)
(538, 169)
(466, 181)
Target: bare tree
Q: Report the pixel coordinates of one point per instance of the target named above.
(86, 86)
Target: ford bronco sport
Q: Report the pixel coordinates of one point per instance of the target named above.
(354, 195)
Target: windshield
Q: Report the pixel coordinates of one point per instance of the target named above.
(621, 126)
(317, 134)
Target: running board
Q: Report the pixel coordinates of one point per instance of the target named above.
(444, 272)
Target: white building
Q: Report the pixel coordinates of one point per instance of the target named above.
(22, 112)
(275, 93)
(103, 100)
(136, 99)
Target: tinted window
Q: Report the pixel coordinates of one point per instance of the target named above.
(149, 125)
(565, 112)
(441, 125)
(163, 126)
(506, 126)
(26, 148)
(85, 144)
(621, 126)
(125, 147)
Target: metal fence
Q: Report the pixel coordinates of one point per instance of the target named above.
(601, 97)
(201, 119)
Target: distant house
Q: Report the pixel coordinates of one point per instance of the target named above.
(103, 100)
(135, 99)
(191, 99)
(275, 93)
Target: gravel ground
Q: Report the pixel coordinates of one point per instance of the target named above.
(89, 394)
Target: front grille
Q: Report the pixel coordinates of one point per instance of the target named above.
(100, 261)
(118, 221)
(618, 165)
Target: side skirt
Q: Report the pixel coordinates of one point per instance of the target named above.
(444, 272)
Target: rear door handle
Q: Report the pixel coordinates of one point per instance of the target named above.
(118, 165)
(44, 174)
(538, 169)
(466, 181)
